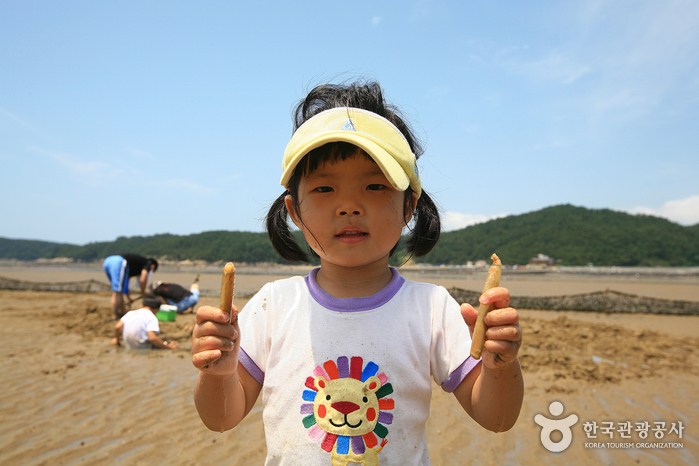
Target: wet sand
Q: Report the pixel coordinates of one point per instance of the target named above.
(68, 397)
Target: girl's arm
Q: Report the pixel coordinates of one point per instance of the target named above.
(492, 392)
(222, 402)
(225, 392)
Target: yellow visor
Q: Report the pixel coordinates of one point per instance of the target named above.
(372, 133)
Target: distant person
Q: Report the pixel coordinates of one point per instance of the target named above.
(176, 295)
(140, 328)
(119, 269)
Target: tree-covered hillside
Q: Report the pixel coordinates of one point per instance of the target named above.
(575, 236)
(571, 235)
(209, 246)
(26, 249)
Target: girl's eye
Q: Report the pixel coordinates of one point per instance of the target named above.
(375, 187)
(323, 189)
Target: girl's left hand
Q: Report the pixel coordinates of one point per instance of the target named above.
(503, 336)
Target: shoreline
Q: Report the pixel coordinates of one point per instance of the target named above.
(676, 284)
(437, 270)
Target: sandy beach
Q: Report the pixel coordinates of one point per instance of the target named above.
(68, 397)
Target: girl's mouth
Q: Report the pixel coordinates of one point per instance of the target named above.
(350, 234)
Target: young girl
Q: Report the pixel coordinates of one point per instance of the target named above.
(345, 356)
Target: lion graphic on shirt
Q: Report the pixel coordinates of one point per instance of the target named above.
(347, 409)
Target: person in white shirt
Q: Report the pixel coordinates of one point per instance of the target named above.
(140, 328)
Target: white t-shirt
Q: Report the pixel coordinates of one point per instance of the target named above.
(341, 375)
(137, 324)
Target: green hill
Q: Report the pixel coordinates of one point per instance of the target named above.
(209, 246)
(26, 249)
(571, 235)
(575, 236)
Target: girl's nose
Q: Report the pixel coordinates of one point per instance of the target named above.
(349, 207)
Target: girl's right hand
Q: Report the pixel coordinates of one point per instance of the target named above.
(215, 341)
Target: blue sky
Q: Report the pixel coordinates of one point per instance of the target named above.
(124, 118)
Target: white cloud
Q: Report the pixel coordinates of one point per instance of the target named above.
(683, 211)
(648, 60)
(15, 118)
(610, 99)
(376, 20)
(89, 171)
(139, 153)
(630, 70)
(456, 220)
(558, 66)
(96, 172)
(553, 144)
(419, 10)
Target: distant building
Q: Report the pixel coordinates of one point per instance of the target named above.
(541, 260)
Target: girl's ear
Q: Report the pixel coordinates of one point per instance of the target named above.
(289, 202)
(413, 204)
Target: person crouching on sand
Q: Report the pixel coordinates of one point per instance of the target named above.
(176, 295)
(140, 328)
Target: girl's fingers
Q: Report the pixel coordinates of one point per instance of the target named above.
(469, 314)
(505, 316)
(500, 353)
(213, 314)
(209, 349)
(210, 328)
(498, 297)
(502, 347)
(508, 333)
(205, 358)
(503, 337)
(210, 342)
(503, 324)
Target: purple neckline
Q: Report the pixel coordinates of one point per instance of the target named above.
(354, 304)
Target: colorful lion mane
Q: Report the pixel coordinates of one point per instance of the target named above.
(343, 381)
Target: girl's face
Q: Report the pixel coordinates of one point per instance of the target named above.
(349, 213)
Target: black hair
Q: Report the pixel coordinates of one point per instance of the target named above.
(151, 301)
(368, 96)
(154, 262)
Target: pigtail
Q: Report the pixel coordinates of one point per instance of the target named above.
(427, 227)
(277, 223)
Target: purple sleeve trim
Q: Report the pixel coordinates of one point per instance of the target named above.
(251, 367)
(459, 374)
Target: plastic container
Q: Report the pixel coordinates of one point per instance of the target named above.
(167, 313)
